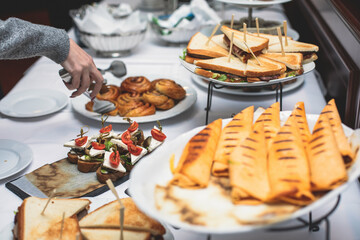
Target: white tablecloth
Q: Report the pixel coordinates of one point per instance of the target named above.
(46, 135)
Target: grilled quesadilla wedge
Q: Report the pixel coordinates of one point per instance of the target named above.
(249, 169)
(194, 167)
(271, 119)
(326, 163)
(289, 171)
(302, 124)
(231, 136)
(342, 142)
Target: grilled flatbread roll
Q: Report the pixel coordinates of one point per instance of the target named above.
(302, 124)
(326, 163)
(248, 169)
(194, 168)
(342, 142)
(231, 136)
(289, 171)
(271, 119)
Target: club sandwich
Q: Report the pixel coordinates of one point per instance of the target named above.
(293, 62)
(200, 48)
(240, 49)
(31, 222)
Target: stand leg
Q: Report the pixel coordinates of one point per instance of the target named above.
(209, 98)
(281, 95)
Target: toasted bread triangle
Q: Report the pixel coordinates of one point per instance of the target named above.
(197, 46)
(291, 60)
(293, 46)
(253, 42)
(267, 67)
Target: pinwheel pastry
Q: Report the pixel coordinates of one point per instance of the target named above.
(138, 84)
(170, 88)
(160, 101)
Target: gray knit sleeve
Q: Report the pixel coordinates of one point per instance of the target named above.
(21, 39)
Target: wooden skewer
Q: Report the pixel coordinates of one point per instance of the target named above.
(77, 236)
(244, 27)
(232, 21)
(257, 26)
(47, 203)
(212, 34)
(280, 39)
(252, 54)
(62, 225)
(231, 45)
(285, 32)
(131, 228)
(122, 208)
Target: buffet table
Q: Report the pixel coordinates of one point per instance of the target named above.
(45, 135)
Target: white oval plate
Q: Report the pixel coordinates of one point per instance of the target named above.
(33, 103)
(254, 3)
(191, 96)
(14, 157)
(143, 182)
(191, 67)
(239, 91)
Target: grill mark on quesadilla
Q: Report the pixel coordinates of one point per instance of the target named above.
(300, 122)
(324, 112)
(282, 141)
(289, 180)
(321, 151)
(230, 146)
(287, 158)
(267, 120)
(243, 146)
(203, 134)
(317, 130)
(284, 149)
(229, 139)
(299, 108)
(297, 115)
(316, 146)
(247, 164)
(232, 126)
(197, 147)
(267, 131)
(267, 137)
(248, 156)
(265, 113)
(250, 139)
(315, 139)
(198, 140)
(284, 132)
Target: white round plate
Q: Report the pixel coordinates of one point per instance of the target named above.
(14, 157)
(191, 67)
(143, 182)
(191, 96)
(254, 3)
(33, 103)
(239, 91)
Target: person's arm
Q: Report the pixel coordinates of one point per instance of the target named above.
(21, 39)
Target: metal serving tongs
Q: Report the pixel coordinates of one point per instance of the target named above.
(99, 105)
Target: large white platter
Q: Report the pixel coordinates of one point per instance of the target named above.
(33, 103)
(254, 3)
(143, 182)
(191, 67)
(14, 157)
(241, 92)
(79, 106)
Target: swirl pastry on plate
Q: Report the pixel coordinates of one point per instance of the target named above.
(160, 101)
(111, 92)
(170, 88)
(138, 84)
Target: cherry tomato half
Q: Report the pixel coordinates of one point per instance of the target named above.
(133, 127)
(158, 135)
(134, 150)
(126, 138)
(98, 146)
(106, 129)
(81, 141)
(114, 159)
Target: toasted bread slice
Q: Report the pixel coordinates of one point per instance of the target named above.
(194, 167)
(234, 66)
(309, 58)
(31, 224)
(273, 39)
(197, 46)
(267, 68)
(108, 216)
(291, 60)
(253, 42)
(219, 40)
(88, 166)
(113, 233)
(293, 46)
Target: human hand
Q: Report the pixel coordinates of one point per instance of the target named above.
(83, 71)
